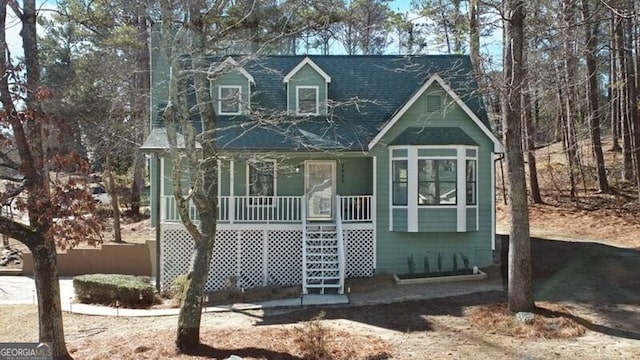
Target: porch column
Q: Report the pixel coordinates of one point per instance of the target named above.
(158, 207)
(374, 209)
(232, 200)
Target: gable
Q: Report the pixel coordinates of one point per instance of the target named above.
(307, 62)
(419, 111)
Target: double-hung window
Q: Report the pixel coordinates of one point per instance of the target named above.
(307, 100)
(261, 178)
(400, 182)
(229, 100)
(472, 185)
(437, 182)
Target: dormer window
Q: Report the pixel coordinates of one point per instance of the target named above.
(230, 87)
(229, 99)
(307, 89)
(307, 97)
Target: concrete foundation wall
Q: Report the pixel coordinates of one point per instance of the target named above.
(130, 259)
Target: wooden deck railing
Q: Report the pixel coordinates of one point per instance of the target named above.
(270, 209)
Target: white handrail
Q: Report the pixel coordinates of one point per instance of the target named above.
(272, 209)
(341, 250)
(303, 214)
(268, 209)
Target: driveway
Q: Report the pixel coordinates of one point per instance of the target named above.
(22, 290)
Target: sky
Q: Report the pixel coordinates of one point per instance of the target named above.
(491, 45)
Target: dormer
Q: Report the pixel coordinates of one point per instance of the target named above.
(307, 89)
(230, 87)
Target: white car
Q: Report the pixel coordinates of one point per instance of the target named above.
(100, 195)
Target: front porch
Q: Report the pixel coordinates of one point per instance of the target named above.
(263, 241)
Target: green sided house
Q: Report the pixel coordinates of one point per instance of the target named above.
(336, 166)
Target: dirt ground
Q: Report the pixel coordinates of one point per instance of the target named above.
(599, 283)
(592, 268)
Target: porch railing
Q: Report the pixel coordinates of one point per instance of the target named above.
(270, 209)
(356, 208)
(267, 208)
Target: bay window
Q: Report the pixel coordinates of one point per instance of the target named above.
(437, 182)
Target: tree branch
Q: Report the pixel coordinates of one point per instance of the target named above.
(21, 232)
(16, 9)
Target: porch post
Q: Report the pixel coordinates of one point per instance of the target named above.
(232, 199)
(158, 191)
(374, 209)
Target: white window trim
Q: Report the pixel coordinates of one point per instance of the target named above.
(412, 206)
(236, 87)
(275, 181)
(297, 94)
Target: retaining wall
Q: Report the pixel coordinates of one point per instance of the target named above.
(131, 259)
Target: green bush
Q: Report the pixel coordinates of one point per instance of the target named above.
(113, 289)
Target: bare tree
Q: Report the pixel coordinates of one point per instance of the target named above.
(520, 283)
(31, 187)
(594, 114)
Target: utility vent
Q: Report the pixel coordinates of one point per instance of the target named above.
(434, 103)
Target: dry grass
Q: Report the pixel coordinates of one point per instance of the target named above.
(316, 341)
(612, 218)
(280, 342)
(552, 321)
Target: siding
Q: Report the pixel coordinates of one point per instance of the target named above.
(235, 79)
(471, 219)
(307, 76)
(437, 220)
(352, 174)
(393, 248)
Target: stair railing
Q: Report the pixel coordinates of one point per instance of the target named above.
(341, 250)
(303, 214)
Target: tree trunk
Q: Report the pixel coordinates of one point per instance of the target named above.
(474, 37)
(520, 282)
(624, 110)
(591, 33)
(142, 84)
(530, 148)
(632, 98)
(202, 171)
(49, 304)
(137, 184)
(529, 132)
(117, 233)
(188, 333)
(572, 149)
(614, 96)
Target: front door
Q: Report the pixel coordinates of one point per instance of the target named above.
(320, 187)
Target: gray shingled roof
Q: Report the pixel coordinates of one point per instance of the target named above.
(433, 136)
(365, 93)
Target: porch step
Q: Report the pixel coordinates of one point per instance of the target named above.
(324, 299)
(322, 271)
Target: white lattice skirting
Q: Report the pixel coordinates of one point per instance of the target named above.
(251, 257)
